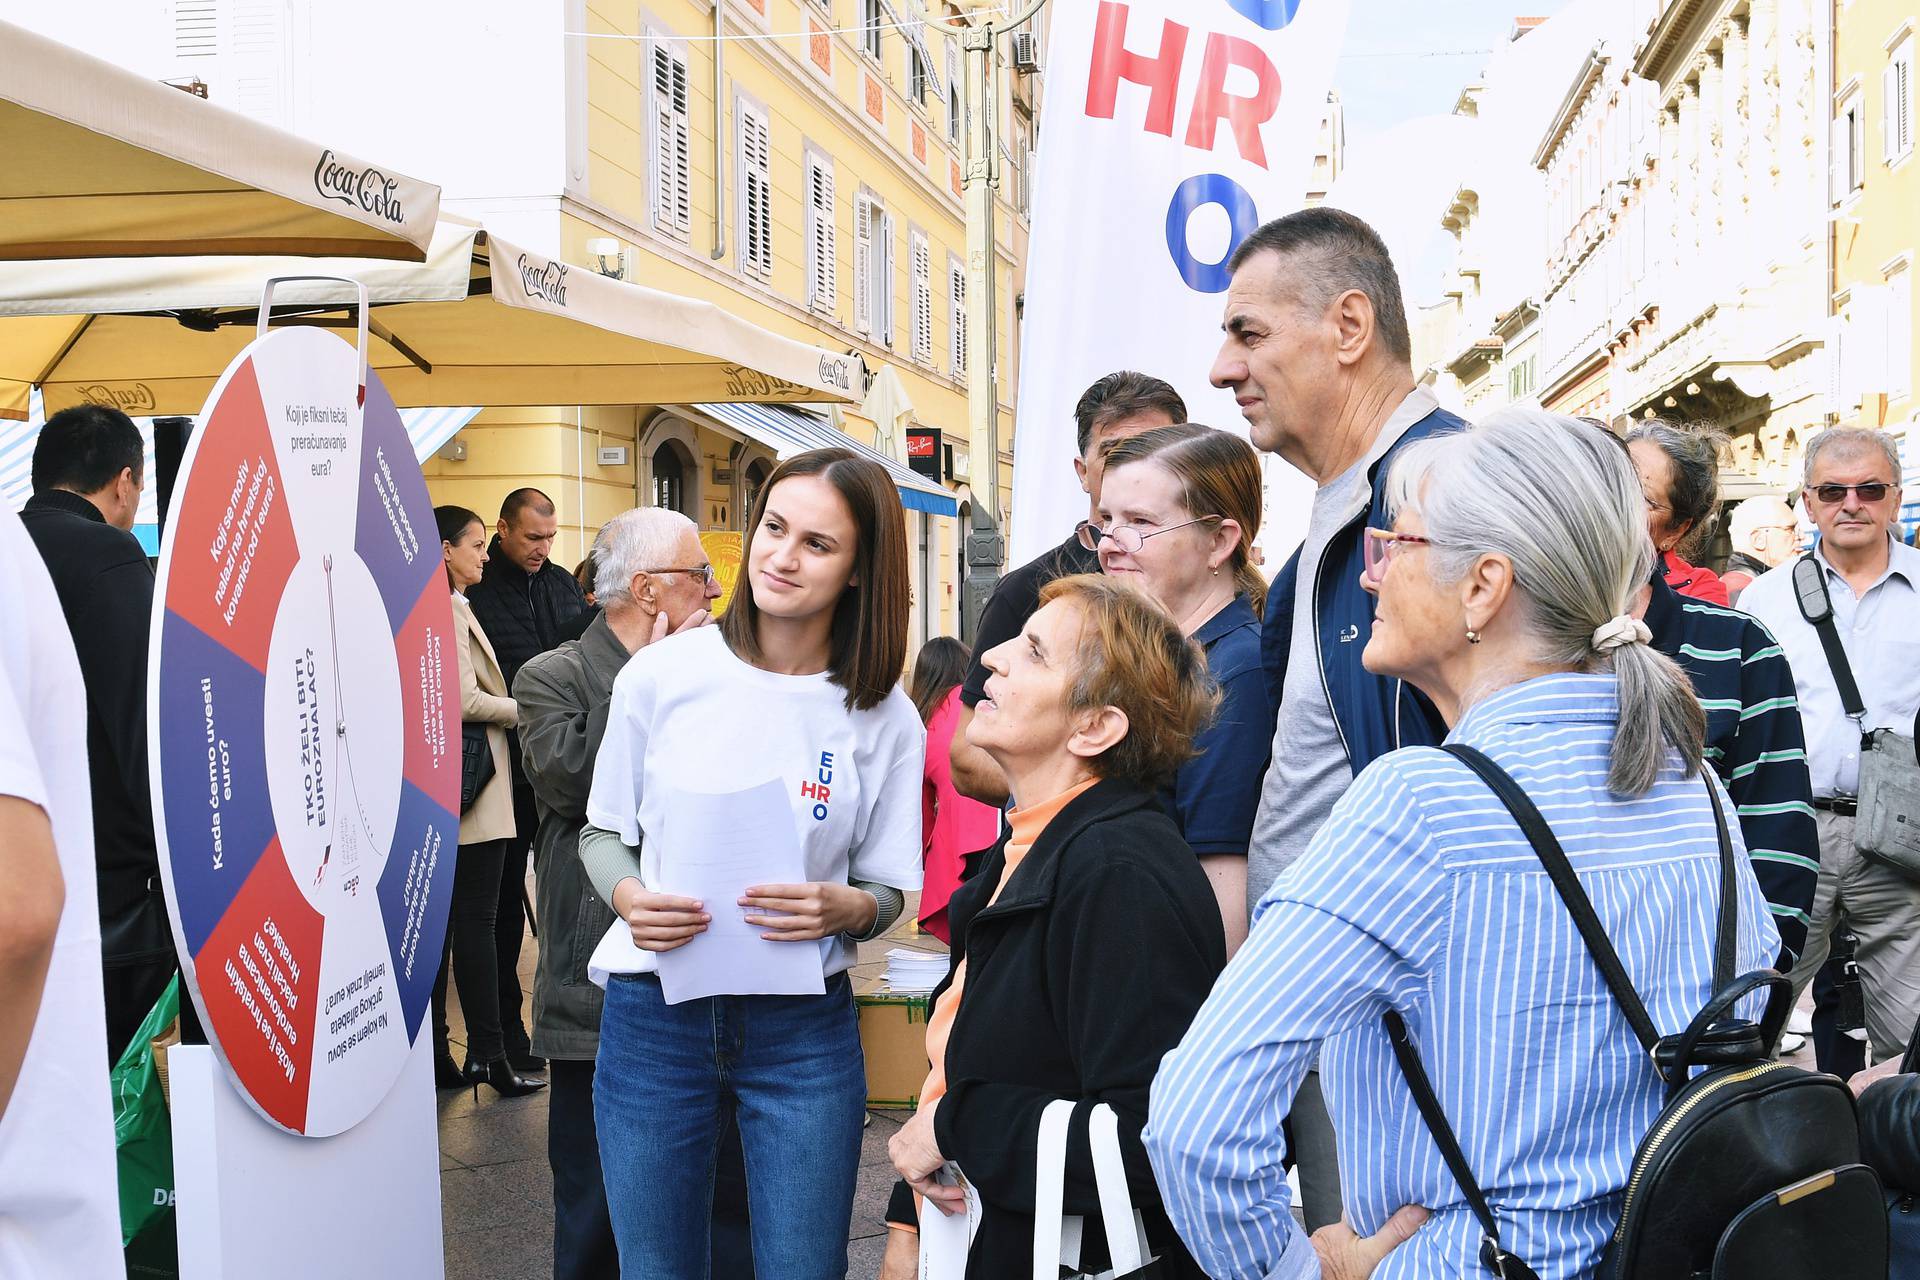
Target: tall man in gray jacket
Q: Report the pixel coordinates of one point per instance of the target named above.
(654, 579)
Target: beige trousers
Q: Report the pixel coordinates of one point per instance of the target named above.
(1882, 908)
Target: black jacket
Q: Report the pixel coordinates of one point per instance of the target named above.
(106, 591)
(1088, 969)
(564, 696)
(523, 613)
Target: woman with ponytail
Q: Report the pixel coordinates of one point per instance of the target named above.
(1506, 588)
(1179, 510)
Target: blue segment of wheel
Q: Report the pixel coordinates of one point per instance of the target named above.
(413, 895)
(213, 746)
(395, 533)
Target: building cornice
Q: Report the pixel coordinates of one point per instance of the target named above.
(1682, 28)
(1583, 81)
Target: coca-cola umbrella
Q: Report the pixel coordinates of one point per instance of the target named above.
(481, 322)
(101, 162)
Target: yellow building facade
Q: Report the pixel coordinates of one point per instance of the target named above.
(1875, 188)
(801, 164)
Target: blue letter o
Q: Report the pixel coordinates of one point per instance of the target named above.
(1271, 14)
(1197, 192)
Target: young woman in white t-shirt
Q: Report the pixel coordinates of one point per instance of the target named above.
(797, 687)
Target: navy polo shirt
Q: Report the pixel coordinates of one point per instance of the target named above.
(1216, 794)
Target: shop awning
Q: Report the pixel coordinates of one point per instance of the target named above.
(481, 322)
(104, 163)
(787, 431)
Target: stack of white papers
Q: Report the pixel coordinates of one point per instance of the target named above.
(911, 972)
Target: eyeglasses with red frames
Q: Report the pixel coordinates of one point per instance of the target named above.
(1125, 536)
(1833, 495)
(1381, 545)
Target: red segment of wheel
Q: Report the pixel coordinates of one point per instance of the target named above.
(259, 977)
(430, 695)
(234, 554)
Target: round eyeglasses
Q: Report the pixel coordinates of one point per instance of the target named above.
(1125, 536)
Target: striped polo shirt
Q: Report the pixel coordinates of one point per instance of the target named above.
(1421, 895)
(1755, 742)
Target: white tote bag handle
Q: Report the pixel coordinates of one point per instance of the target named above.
(1049, 1188)
(1126, 1244)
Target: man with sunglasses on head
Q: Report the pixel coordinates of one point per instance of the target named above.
(1872, 583)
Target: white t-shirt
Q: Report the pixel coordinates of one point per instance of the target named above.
(689, 716)
(59, 1195)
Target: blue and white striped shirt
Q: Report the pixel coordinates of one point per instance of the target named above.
(1421, 895)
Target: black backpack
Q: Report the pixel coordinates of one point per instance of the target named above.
(1751, 1171)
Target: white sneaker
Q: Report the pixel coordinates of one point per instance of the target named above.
(1791, 1043)
(1800, 1022)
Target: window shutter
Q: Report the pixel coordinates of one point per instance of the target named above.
(821, 263)
(883, 296)
(863, 219)
(1903, 97)
(1900, 336)
(1857, 145)
(1838, 166)
(954, 100)
(1890, 112)
(756, 195)
(670, 141)
(957, 295)
(922, 267)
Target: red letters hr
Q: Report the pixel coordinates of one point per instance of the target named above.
(1113, 62)
(813, 791)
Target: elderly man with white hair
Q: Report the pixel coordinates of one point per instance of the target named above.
(1765, 535)
(1872, 583)
(653, 578)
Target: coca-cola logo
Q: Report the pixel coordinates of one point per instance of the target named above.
(367, 189)
(836, 373)
(544, 278)
(131, 397)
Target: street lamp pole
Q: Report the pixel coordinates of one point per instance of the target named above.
(979, 41)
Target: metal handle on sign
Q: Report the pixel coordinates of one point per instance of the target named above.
(266, 307)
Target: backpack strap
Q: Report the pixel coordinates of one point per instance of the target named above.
(1492, 1256)
(1567, 884)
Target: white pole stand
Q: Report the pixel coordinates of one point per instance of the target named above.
(256, 1201)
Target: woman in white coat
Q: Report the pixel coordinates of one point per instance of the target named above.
(485, 827)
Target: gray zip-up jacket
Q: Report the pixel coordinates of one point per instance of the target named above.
(563, 696)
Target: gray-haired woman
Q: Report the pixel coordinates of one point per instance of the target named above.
(1504, 594)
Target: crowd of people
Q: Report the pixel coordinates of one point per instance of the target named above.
(1213, 856)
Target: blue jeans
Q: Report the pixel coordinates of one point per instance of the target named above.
(791, 1070)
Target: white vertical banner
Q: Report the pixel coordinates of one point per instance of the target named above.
(1172, 129)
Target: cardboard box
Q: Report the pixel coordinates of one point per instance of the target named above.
(893, 1035)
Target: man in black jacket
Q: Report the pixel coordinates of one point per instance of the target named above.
(524, 602)
(88, 469)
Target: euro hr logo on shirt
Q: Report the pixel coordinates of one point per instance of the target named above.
(1243, 113)
(818, 790)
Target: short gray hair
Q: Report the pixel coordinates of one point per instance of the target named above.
(633, 542)
(1560, 501)
(1850, 440)
(1329, 252)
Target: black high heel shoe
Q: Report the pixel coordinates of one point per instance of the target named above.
(505, 1081)
(448, 1076)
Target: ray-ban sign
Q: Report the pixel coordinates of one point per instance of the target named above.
(367, 187)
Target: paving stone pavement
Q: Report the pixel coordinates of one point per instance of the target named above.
(496, 1191)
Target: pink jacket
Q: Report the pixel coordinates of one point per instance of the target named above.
(954, 825)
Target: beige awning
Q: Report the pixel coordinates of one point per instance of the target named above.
(481, 322)
(97, 162)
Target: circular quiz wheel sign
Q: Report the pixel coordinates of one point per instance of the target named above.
(304, 726)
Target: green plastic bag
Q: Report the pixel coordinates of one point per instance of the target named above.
(143, 1137)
